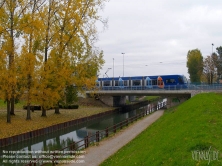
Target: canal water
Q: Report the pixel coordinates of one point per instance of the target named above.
(64, 137)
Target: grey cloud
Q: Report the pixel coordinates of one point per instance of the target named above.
(161, 30)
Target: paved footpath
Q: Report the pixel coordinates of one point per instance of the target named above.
(97, 154)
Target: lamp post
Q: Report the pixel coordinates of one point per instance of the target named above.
(113, 67)
(212, 47)
(210, 62)
(123, 63)
(113, 73)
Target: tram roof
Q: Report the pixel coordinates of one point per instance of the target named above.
(138, 77)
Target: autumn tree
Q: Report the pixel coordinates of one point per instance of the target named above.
(219, 67)
(11, 12)
(195, 65)
(210, 68)
(72, 39)
(219, 51)
(30, 57)
(57, 50)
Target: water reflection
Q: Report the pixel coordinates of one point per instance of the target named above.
(63, 138)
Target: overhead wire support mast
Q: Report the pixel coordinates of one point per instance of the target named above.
(107, 72)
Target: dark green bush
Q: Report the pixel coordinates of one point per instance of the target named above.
(69, 106)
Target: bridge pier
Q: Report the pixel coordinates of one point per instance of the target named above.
(132, 98)
(113, 101)
(173, 101)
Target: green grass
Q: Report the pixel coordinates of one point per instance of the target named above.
(195, 125)
(18, 105)
(151, 98)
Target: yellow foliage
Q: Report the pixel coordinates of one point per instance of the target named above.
(56, 49)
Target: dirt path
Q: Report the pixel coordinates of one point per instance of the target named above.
(97, 154)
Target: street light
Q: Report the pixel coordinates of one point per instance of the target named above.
(113, 67)
(211, 69)
(212, 47)
(123, 63)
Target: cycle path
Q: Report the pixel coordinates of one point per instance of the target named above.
(95, 155)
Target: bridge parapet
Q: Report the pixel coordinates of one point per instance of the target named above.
(171, 87)
(116, 93)
(141, 92)
(195, 92)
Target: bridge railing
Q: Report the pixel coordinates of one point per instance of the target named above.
(205, 86)
(166, 87)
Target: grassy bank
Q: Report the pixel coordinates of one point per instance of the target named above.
(142, 98)
(178, 136)
(19, 124)
(151, 98)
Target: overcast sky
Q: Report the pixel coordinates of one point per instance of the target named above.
(156, 35)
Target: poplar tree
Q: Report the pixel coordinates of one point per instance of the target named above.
(69, 29)
(73, 30)
(30, 56)
(195, 65)
(210, 68)
(219, 67)
(45, 47)
(11, 12)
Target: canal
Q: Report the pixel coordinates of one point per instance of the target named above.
(63, 138)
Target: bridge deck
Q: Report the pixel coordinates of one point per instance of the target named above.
(159, 92)
(141, 92)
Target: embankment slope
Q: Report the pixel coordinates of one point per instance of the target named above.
(178, 136)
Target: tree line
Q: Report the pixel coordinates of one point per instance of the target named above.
(46, 46)
(208, 70)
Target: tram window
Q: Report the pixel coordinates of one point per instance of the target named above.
(180, 80)
(97, 84)
(184, 79)
(154, 82)
(106, 83)
(116, 83)
(125, 83)
(136, 82)
(170, 81)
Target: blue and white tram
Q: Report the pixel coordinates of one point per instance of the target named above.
(143, 82)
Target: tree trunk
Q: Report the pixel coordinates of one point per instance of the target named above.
(28, 117)
(58, 143)
(43, 112)
(12, 112)
(57, 109)
(8, 112)
(45, 145)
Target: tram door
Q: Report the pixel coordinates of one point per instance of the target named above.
(160, 82)
(121, 83)
(148, 82)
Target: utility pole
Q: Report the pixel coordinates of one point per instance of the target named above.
(113, 67)
(212, 47)
(211, 62)
(123, 63)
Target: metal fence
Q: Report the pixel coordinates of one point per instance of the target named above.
(166, 87)
(74, 147)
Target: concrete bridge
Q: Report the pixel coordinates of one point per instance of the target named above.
(119, 97)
